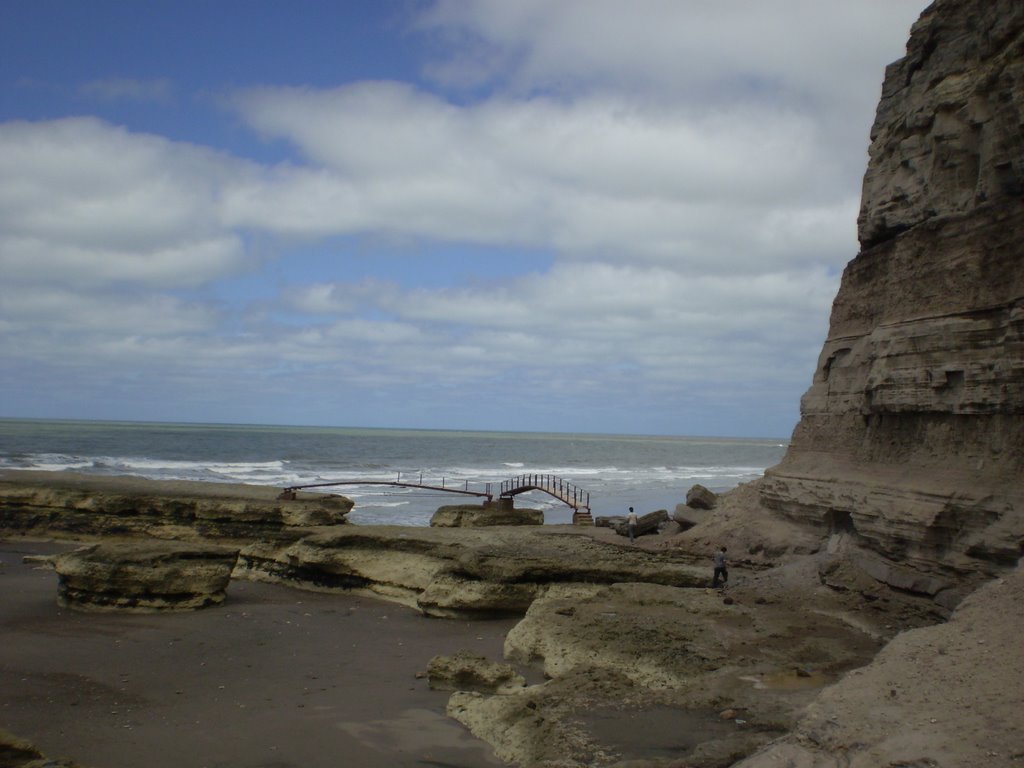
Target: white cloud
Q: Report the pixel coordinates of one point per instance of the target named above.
(599, 177)
(158, 91)
(693, 170)
(81, 200)
(668, 46)
(36, 314)
(187, 263)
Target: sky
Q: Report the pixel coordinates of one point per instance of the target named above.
(560, 216)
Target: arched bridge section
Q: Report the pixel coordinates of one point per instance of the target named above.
(563, 490)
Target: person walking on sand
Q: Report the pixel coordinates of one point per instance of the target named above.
(631, 525)
(721, 568)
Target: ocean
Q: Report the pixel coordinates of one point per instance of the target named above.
(618, 471)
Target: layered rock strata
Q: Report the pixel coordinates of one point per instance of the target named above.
(459, 572)
(668, 661)
(144, 577)
(468, 671)
(944, 695)
(477, 516)
(911, 437)
(85, 507)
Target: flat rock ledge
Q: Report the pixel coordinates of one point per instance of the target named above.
(708, 677)
(88, 507)
(460, 572)
(144, 577)
(477, 516)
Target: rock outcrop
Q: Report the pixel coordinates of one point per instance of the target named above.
(477, 516)
(144, 577)
(459, 572)
(468, 671)
(88, 507)
(943, 695)
(699, 497)
(645, 524)
(669, 661)
(18, 753)
(911, 437)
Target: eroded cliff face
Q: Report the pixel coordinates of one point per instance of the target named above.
(911, 437)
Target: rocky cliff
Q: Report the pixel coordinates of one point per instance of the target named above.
(911, 437)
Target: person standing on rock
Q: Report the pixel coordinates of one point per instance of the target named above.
(631, 525)
(721, 568)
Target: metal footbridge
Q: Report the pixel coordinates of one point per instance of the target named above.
(566, 492)
(557, 487)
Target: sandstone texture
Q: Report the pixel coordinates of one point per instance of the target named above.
(476, 516)
(668, 662)
(947, 695)
(18, 753)
(144, 576)
(468, 671)
(699, 497)
(687, 516)
(84, 507)
(460, 572)
(645, 524)
(911, 437)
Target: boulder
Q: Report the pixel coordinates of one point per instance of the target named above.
(469, 671)
(645, 524)
(450, 595)
(144, 577)
(688, 516)
(477, 516)
(699, 497)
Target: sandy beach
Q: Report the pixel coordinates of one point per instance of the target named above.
(275, 677)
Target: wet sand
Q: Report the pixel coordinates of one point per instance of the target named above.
(273, 678)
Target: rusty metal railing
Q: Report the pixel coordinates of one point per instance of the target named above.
(563, 490)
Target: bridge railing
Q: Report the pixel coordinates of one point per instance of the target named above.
(561, 489)
(289, 492)
(566, 492)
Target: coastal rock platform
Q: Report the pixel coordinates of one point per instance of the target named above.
(144, 576)
(478, 516)
(89, 507)
(631, 657)
(462, 572)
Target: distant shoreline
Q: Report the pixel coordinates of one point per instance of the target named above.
(356, 428)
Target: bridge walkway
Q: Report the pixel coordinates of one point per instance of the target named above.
(566, 492)
(561, 489)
